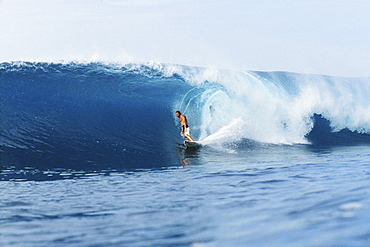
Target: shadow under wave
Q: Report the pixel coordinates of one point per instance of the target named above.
(323, 135)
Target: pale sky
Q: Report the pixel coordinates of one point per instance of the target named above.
(329, 37)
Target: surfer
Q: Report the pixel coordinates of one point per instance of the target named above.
(185, 130)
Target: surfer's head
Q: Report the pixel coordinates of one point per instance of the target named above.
(178, 113)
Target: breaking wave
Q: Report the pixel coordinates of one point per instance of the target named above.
(109, 115)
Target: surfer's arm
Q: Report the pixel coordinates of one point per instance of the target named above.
(182, 130)
(183, 124)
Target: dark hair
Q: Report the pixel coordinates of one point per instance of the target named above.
(178, 112)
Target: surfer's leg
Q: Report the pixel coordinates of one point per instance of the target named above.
(188, 137)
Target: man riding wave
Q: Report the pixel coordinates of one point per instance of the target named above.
(185, 130)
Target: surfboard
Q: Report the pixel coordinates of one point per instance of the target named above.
(190, 144)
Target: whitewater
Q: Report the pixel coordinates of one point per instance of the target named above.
(91, 156)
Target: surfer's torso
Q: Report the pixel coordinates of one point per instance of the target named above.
(183, 121)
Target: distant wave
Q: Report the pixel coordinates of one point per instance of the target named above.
(98, 114)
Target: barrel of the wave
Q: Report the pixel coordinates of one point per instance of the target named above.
(87, 116)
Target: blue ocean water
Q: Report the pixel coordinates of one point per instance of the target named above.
(91, 156)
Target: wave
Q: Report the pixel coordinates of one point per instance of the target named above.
(109, 115)
(276, 107)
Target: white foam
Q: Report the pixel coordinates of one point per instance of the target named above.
(352, 206)
(276, 107)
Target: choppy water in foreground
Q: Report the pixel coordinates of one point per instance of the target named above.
(270, 196)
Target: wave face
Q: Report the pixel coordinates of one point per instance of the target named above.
(109, 116)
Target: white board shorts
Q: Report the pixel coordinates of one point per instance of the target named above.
(187, 131)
